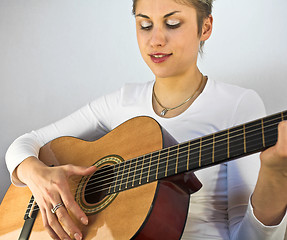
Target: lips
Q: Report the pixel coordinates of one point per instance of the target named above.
(159, 57)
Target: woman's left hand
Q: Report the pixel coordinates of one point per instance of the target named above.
(269, 198)
(274, 159)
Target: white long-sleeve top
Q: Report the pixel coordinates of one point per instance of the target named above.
(221, 209)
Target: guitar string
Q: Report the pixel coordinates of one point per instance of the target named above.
(192, 165)
(252, 130)
(169, 156)
(177, 148)
(117, 185)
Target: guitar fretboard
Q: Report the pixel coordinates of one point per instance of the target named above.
(200, 153)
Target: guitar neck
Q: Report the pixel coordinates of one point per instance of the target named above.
(200, 153)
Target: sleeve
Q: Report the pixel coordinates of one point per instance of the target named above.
(88, 123)
(242, 176)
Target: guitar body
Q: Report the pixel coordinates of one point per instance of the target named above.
(156, 210)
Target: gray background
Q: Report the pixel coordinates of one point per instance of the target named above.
(57, 55)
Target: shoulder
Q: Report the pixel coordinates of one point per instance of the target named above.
(233, 92)
(131, 93)
(245, 104)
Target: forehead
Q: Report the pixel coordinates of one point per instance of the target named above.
(162, 6)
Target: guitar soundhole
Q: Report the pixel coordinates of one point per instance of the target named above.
(97, 187)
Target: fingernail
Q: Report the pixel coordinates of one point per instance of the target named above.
(84, 221)
(77, 236)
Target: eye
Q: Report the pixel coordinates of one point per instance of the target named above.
(146, 25)
(172, 23)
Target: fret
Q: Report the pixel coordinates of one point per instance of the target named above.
(221, 146)
(148, 173)
(254, 136)
(206, 150)
(145, 169)
(199, 159)
(119, 177)
(131, 175)
(154, 166)
(163, 161)
(142, 167)
(263, 137)
(127, 182)
(188, 156)
(177, 155)
(117, 169)
(122, 176)
(228, 145)
(112, 184)
(236, 141)
(172, 159)
(134, 177)
(125, 175)
(183, 157)
(138, 171)
(157, 167)
(194, 154)
(271, 129)
(166, 164)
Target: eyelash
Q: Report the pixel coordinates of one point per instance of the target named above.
(168, 25)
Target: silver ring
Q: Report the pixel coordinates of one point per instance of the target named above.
(54, 209)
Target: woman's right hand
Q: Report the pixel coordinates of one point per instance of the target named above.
(50, 187)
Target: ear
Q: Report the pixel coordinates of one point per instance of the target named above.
(206, 28)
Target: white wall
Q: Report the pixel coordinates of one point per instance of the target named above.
(57, 55)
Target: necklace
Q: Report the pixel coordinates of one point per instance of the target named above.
(166, 109)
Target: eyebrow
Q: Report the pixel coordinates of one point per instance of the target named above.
(165, 16)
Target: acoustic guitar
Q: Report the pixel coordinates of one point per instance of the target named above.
(144, 179)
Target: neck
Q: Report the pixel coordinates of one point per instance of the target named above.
(182, 84)
(177, 92)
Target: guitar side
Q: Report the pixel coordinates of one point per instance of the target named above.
(155, 210)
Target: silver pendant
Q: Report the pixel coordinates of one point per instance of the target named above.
(163, 112)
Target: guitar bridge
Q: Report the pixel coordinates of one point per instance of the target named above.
(29, 217)
(32, 209)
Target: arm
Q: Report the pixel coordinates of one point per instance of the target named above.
(269, 198)
(50, 185)
(246, 176)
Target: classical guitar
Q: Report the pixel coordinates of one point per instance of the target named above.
(144, 179)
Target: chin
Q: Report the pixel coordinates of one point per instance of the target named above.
(162, 74)
(162, 71)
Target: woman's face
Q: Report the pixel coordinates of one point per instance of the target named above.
(167, 36)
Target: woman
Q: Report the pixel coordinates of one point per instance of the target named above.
(170, 34)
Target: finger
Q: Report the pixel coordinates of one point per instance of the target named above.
(65, 220)
(72, 205)
(50, 231)
(55, 225)
(282, 135)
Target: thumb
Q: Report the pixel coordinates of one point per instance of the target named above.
(80, 170)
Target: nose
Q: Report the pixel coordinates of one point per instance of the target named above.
(158, 38)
